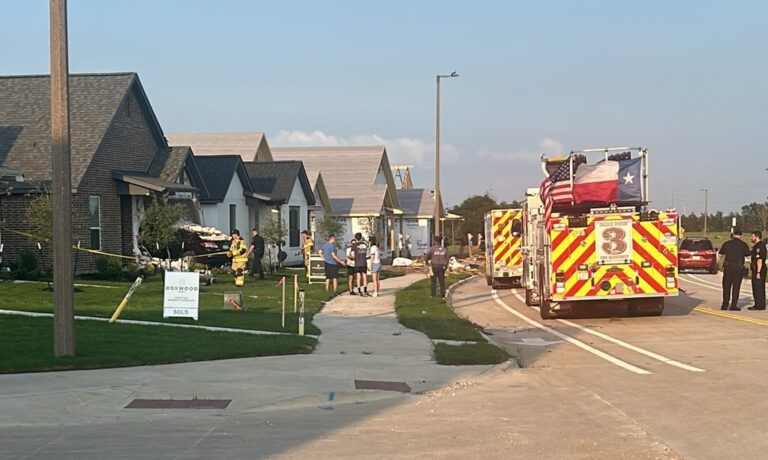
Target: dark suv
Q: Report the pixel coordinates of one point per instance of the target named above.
(206, 245)
(697, 254)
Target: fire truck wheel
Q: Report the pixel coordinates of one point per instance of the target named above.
(489, 280)
(545, 309)
(528, 300)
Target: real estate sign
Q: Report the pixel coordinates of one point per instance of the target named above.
(181, 295)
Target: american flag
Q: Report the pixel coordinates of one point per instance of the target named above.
(556, 188)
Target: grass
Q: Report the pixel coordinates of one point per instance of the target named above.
(26, 345)
(262, 299)
(417, 310)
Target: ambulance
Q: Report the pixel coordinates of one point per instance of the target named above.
(503, 238)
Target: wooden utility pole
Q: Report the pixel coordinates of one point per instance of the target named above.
(63, 273)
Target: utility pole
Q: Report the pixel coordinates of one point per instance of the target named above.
(706, 212)
(63, 273)
(438, 201)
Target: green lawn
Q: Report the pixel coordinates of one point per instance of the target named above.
(26, 345)
(416, 309)
(262, 299)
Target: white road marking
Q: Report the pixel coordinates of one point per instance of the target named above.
(621, 343)
(747, 295)
(571, 340)
(714, 284)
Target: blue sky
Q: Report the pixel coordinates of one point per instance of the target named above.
(685, 79)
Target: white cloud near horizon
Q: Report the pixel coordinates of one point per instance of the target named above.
(401, 150)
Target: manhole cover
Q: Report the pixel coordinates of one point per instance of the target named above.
(179, 404)
(381, 385)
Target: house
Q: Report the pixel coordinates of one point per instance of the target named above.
(249, 146)
(415, 225)
(287, 186)
(360, 185)
(120, 159)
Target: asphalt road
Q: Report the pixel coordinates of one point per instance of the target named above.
(692, 383)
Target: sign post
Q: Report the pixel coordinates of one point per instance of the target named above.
(181, 296)
(316, 269)
(301, 312)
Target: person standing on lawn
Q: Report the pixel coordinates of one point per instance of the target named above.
(332, 263)
(257, 249)
(375, 265)
(239, 254)
(437, 259)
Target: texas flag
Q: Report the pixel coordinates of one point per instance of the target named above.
(608, 182)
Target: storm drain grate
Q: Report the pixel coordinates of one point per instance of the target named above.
(382, 385)
(179, 404)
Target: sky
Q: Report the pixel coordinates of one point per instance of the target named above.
(684, 79)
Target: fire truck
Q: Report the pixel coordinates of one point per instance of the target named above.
(503, 238)
(579, 251)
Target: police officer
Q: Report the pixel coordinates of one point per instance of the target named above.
(758, 269)
(437, 259)
(238, 251)
(734, 250)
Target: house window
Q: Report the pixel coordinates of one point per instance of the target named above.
(94, 206)
(232, 217)
(293, 226)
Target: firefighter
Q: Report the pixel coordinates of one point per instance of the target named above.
(238, 251)
(307, 247)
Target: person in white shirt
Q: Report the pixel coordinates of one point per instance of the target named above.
(375, 255)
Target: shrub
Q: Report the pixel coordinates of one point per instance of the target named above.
(108, 269)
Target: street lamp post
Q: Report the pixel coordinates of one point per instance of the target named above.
(437, 151)
(706, 200)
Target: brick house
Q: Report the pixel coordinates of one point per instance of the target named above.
(120, 159)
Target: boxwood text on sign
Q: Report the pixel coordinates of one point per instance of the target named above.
(181, 294)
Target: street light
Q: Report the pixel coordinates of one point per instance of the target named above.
(706, 199)
(437, 150)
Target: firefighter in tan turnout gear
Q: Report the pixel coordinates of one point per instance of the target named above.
(238, 251)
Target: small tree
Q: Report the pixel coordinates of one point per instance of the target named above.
(157, 227)
(329, 225)
(274, 231)
(40, 217)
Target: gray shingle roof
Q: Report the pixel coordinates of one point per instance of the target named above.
(217, 172)
(417, 202)
(25, 120)
(168, 166)
(277, 178)
(349, 174)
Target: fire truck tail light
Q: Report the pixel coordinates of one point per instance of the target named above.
(645, 264)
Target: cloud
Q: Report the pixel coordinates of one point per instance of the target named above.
(401, 150)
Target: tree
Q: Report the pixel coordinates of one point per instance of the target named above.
(274, 231)
(328, 225)
(40, 217)
(754, 217)
(474, 208)
(157, 229)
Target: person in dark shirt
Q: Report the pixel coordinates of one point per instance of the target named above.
(437, 258)
(257, 249)
(758, 269)
(735, 251)
(360, 253)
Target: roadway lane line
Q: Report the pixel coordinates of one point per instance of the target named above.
(718, 286)
(571, 340)
(726, 314)
(621, 343)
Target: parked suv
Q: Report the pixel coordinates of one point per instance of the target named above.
(697, 254)
(205, 244)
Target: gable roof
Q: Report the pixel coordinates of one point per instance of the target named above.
(277, 178)
(217, 172)
(349, 174)
(25, 120)
(168, 166)
(417, 202)
(248, 145)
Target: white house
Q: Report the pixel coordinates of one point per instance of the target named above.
(415, 225)
(360, 186)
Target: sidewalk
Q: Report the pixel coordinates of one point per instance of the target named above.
(361, 339)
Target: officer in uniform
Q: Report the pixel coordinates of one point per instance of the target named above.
(758, 269)
(734, 250)
(238, 251)
(437, 258)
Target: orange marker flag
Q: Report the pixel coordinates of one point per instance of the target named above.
(281, 282)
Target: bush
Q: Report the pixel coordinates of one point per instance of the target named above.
(131, 271)
(108, 269)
